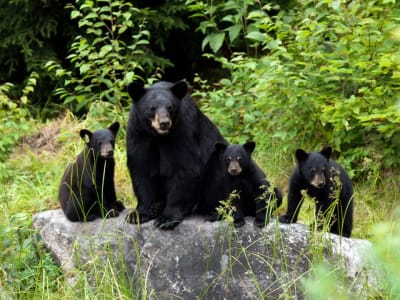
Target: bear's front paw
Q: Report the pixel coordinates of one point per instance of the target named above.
(285, 219)
(259, 222)
(166, 223)
(212, 217)
(238, 223)
(135, 218)
(118, 205)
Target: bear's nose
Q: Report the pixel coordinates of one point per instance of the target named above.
(164, 125)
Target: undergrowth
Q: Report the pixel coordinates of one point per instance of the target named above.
(29, 183)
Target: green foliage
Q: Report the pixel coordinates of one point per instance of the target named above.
(26, 28)
(232, 23)
(103, 63)
(31, 33)
(330, 77)
(230, 105)
(14, 115)
(385, 255)
(25, 264)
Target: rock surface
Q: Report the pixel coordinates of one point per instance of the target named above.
(200, 259)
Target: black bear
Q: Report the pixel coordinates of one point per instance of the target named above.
(169, 141)
(87, 188)
(328, 183)
(232, 169)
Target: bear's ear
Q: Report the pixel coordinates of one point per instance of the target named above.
(249, 146)
(220, 147)
(179, 89)
(301, 155)
(86, 135)
(136, 90)
(326, 151)
(114, 127)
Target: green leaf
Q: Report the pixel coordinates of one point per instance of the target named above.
(104, 50)
(234, 31)
(84, 68)
(75, 14)
(257, 36)
(215, 41)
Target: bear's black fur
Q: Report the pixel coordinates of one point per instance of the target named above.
(328, 183)
(232, 169)
(87, 188)
(169, 141)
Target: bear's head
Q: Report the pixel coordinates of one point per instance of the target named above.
(102, 141)
(236, 158)
(159, 104)
(314, 166)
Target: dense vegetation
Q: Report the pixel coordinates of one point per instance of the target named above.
(287, 74)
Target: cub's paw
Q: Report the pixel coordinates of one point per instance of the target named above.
(285, 219)
(135, 218)
(212, 217)
(259, 222)
(238, 223)
(166, 223)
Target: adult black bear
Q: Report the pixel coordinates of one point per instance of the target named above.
(169, 141)
(87, 188)
(230, 169)
(330, 186)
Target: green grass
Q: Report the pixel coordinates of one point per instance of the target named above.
(29, 182)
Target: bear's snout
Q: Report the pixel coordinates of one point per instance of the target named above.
(161, 122)
(234, 168)
(318, 180)
(107, 150)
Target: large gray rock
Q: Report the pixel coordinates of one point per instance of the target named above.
(200, 259)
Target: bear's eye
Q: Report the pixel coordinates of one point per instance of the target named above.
(153, 108)
(229, 158)
(239, 158)
(313, 171)
(169, 107)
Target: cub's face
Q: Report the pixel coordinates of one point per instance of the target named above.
(314, 166)
(236, 158)
(101, 141)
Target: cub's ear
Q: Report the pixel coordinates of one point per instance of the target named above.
(249, 146)
(179, 89)
(220, 147)
(301, 155)
(136, 90)
(326, 151)
(86, 135)
(114, 127)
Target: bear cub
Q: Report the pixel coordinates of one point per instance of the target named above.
(328, 183)
(236, 171)
(87, 188)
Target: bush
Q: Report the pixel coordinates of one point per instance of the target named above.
(103, 63)
(14, 114)
(331, 76)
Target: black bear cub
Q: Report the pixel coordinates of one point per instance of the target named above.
(87, 188)
(232, 170)
(328, 183)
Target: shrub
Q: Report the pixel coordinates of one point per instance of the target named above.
(331, 76)
(102, 62)
(14, 114)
